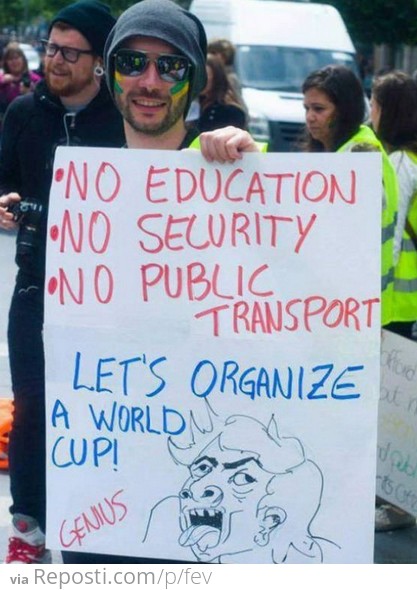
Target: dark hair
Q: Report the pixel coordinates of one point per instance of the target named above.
(223, 47)
(10, 50)
(221, 90)
(344, 90)
(396, 94)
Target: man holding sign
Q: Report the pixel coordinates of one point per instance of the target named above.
(173, 284)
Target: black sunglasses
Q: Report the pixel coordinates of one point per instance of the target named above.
(70, 54)
(171, 68)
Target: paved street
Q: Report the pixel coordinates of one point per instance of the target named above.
(394, 547)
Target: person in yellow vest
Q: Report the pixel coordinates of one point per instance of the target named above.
(334, 104)
(394, 120)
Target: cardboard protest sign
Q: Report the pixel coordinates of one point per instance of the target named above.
(212, 343)
(397, 432)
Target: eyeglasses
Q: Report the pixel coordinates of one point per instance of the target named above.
(70, 54)
(171, 68)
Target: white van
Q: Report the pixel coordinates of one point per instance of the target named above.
(277, 45)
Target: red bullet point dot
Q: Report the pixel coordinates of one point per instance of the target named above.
(52, 285)
(59, 174)
(54, 232)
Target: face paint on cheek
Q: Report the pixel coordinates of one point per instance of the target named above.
(117, 83)
(180, 89)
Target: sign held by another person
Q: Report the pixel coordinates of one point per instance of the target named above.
(397, 432)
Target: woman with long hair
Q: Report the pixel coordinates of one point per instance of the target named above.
(219, 105)
(335, 109)
(334, 103)
(394, 119)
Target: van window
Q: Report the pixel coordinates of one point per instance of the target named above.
(268, 67)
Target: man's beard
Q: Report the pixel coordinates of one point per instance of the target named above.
(175, 112)
(66, 86)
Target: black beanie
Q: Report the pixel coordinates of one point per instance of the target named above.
(168, 22)
(91, 18)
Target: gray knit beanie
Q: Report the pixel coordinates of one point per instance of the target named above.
(168, 22)
(91, 18)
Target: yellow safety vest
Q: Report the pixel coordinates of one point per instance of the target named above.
(405, 283)
(389, 217)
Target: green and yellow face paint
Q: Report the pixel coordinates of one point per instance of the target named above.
(179, 90)
(117, 87)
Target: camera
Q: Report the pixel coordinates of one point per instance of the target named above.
(28, 214)
(26, 81)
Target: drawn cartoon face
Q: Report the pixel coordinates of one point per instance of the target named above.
(220, 502)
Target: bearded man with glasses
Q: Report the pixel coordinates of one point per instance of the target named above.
(70, 107)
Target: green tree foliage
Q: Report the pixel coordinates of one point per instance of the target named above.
(369, 21)
(23, 12)
(11, 12)
(379, 21)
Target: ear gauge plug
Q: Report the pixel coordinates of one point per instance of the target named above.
(98, 70)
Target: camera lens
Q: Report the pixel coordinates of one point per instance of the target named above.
(30, 215)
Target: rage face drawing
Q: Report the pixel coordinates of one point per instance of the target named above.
(250, 495)
(222, 493)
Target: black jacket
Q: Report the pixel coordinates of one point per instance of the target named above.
(219, 115)
(34, 126)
